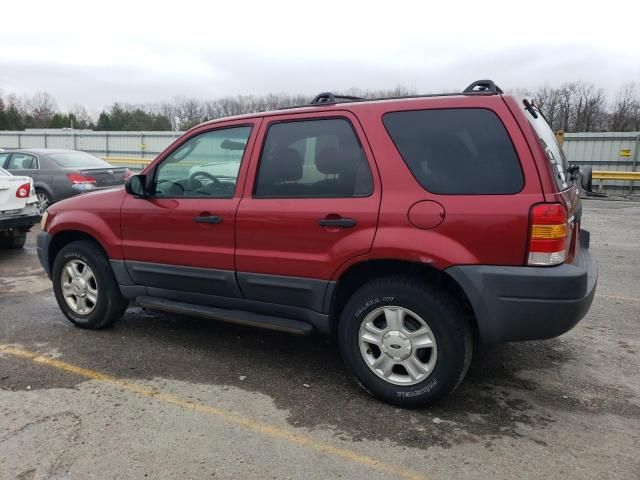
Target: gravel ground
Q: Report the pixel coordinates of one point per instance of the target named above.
(161, 396)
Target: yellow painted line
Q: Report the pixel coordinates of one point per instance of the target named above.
(234, 418)
(616, 297)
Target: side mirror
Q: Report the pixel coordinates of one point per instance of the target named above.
(586, 178)
(137, 185)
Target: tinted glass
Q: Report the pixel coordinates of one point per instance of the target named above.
(22, 161)
(78, 160)
(313, 159)
(456, 151)
(204, 166)
(3, 158)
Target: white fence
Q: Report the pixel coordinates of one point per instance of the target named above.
(601, 151)
(102, 144)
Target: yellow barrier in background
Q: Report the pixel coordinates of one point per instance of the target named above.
(128, 161)
(597, 174)
(615, 175)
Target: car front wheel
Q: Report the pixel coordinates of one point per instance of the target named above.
(404, 341)
(85, 287)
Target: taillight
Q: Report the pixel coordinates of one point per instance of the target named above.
(77, 178)
(81, 182)
(547, 234)
(23, 191)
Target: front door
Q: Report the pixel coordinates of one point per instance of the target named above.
(182, 237)
(310, 205)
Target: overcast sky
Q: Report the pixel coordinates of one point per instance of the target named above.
(95, 53)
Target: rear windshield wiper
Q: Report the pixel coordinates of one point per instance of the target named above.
(530, 108)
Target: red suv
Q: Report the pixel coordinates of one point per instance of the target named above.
(408, 228)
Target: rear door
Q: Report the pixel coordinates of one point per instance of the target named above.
(310, 204)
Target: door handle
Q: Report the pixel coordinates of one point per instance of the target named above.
(215, 219)
(337, 222)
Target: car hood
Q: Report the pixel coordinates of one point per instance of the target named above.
(90, 200)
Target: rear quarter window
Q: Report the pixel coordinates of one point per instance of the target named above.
(463, 151)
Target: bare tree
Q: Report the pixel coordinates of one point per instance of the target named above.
(81, 114)
(625, 114)
(547, 100)
(573, 107)
(41, 107)
(187, 112)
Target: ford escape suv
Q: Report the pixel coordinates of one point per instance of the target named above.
(409, 228)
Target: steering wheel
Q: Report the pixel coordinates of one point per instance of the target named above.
(200, 173)
(170, 188)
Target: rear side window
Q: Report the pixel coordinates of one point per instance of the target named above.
(549, 144)
(313, 159)
(457, 151)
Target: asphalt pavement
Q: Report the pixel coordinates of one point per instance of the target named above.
(162, 396)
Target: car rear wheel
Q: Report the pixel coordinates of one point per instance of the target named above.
(404, 341)
(43, 201)
(85, 287)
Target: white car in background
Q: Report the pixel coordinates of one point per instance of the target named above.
(18, 209)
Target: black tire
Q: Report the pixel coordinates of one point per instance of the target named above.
(15, 239)
(442, 315)
(110, 304)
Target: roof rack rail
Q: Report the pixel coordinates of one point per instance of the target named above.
(483, 86)
(328, 97)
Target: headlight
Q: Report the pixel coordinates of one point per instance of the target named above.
(43, 222)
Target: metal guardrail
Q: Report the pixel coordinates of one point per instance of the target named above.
(597, 174)
(614, 175)
(128, 161)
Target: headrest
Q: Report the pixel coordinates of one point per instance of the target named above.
(286, 166)
(330, 161)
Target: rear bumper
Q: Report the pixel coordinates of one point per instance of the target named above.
(42, 247)
(529, 303)
(19, 221)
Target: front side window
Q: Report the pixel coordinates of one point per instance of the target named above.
(204, 166)
(463, 151)
(22, 161)
(313, 159)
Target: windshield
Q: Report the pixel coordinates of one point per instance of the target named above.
(549, 144)
(78, 160)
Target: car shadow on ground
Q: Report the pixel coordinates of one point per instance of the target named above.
(493, 401)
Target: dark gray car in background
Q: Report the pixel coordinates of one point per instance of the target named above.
(59, 174)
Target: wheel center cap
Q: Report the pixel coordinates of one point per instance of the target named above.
(396, 345)
(80, 287)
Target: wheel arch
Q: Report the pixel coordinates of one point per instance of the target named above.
(45, 188)
(64, 238)
(361, 273)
